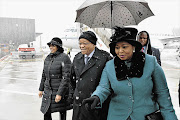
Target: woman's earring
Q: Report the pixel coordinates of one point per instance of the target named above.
(133, 50)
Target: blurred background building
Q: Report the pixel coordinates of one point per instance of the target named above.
(15, 31)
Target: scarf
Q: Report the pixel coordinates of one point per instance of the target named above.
(54, 54)
(135, 70)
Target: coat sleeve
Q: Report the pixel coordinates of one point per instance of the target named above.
(72, 80)
(103, 90)
(41, 87)
(66, 67)
(162, 92)
(157, 54)
(158, 57)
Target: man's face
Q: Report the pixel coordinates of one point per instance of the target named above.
(86, 46)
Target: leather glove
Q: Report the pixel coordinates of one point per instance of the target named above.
(70, 99)
(91, 103)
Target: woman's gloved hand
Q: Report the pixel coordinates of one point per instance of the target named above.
(91, 103)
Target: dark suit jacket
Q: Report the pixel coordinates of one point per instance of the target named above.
(156, 53)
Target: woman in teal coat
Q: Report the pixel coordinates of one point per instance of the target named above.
(135, 81)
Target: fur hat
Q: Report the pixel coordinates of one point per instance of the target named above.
(90, 36)
(126, 34)
(55, 41)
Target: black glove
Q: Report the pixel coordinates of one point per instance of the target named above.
(70, 100)
(91, 103)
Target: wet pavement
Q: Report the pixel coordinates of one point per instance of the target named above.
(19, 83)
(20, 78)
(171, 66)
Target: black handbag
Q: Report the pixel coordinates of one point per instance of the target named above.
(154, 116)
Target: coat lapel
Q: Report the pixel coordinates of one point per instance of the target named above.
(88, 65)
(91, 62)
(80, 63)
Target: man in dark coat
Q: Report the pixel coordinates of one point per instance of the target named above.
(87, 68)
(54, 84)
(144, 39)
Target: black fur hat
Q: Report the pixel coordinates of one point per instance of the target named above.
(90, 36)
(126, 34)
(55, 41)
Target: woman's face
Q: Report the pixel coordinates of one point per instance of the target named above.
(53, 48)
(124, 50)
(142, 38)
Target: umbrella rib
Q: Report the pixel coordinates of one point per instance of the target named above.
(97, 13)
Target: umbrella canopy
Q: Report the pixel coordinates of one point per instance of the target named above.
(108, 13)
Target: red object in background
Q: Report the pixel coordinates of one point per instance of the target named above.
(26, 49)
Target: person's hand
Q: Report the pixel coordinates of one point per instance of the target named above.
(58, 98)
(91, 103)
(40, 94)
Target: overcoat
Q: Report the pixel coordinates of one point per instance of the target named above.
(86, 79)
(55, 81)
(156, 53)
(179, 93)
(133, 97)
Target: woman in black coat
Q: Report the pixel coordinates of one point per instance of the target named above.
(54, 86)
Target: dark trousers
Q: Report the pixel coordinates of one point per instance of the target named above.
(48, 116)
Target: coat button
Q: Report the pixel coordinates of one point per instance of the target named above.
(80, 104)
(80, 78)
(129, 84)
(77, 98)
(129, 97)
(80, 92)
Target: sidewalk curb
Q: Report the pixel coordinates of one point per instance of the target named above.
(3, 58)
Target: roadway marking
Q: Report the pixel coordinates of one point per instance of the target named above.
(17, 92)
(17, 71)
(20, 79)
(24, 60)
(170, 68)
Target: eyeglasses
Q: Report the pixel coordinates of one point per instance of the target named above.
(84, 43)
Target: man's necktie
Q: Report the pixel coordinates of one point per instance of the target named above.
(142, 49)
(86, 60)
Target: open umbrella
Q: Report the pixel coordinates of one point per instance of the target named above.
(110, 13)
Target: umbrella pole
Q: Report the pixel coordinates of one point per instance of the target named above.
(111, 17)
(111, 13)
